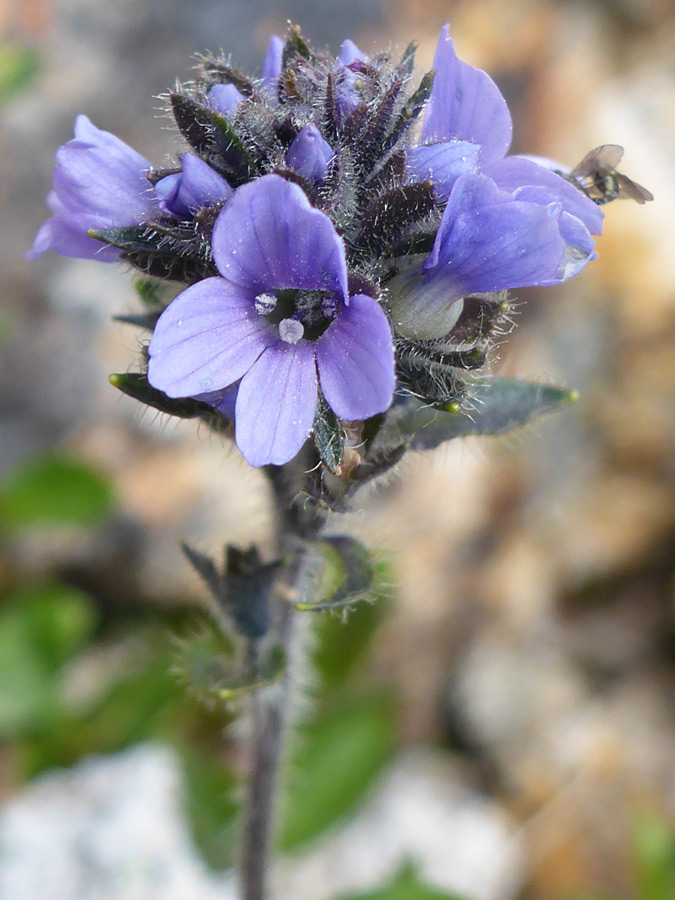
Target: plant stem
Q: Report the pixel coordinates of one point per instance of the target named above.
(271, 706)
(270, 709)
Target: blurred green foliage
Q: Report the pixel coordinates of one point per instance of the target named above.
(54, 490)
(19, 65)
(41, 626)
(406, 886)
(338, 754)
(131, 669)
(654, 858)
(654, 861)
(128, 661)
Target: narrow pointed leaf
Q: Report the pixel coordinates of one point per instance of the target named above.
(497, 406)
(205, 567)
(295, 46)
(413, 107)
(194, 121)
(139, 320)
(137, 386)
(227, 75)
(132, 239)
(407, 63)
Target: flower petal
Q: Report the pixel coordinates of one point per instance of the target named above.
(355, 357)
(97, 172)
(269, 236)
(68, 236)
(465, 105)
(519, 172)
(309, 154)
(350, 53)
(224, 98)
(223, 400)
(271, 67)
(579, 248)
(98, 182)
(197, 186)
(276, 404)
(442, 164)
(207, 338)
(487, 241)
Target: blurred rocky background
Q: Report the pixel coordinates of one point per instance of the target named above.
(501, 726)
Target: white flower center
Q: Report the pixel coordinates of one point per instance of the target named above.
(291, 331)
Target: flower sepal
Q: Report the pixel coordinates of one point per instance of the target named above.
(173, 251)
(213, 138)
(136, 385)
(329, 435)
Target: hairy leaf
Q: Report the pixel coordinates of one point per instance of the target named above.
(496, 406)
(136, 385)
(346, 575)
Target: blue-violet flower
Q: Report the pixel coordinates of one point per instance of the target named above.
(345, 238)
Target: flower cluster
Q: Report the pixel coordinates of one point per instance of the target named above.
(346, 236)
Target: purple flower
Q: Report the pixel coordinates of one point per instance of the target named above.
(467, 126)
(488, 240)
(280, 319)
(98, 182)
(508, 223)
(271, 67)
(224, 98)
(309, 155)
(195, 187)
(347, 64)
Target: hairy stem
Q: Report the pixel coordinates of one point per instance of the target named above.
(271, 706)
(270, 712)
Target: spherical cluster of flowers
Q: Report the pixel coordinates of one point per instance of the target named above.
(345, 236)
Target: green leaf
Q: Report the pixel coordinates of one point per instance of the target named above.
(145, 701)
(136, 385)
(211, 806)
(18, 67)
(342, 641)
(55, 490)
(132, 238)
(413, 106)
(336, 758)
(213, 670)
(406, 886)
(207, 131)
(346, 575)
(295, 46)
(174, 251)
(498, 405)
(41, 626)
(407, 64)
(655, 857)
(230, 142)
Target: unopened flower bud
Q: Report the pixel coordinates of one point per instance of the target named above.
(309, 155)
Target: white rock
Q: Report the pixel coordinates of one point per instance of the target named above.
(111, 828)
